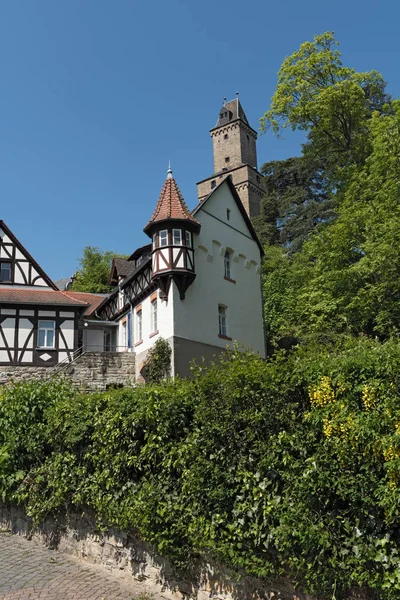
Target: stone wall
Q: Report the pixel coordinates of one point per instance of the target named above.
(99, 370)
(21, 373)
(90, 371)
(131, 559)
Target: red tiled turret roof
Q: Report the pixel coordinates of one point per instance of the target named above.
(171, 204)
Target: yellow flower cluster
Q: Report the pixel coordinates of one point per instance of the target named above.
(323, 393)
(397, 428)
(391, 453)
(368, 396)
(393, 480)
(342, 429)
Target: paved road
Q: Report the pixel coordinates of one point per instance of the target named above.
(31, 572)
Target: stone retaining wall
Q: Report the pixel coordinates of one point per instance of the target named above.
(130, 558)
(90, 371)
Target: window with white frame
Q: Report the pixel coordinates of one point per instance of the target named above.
(227, 264)
(163, 235)
(124, 335)
(46, 334)
(154, 239)
(177, 237)
(139, 326)
(222, 321)
(188, 236)
(5, 271)
(154, 323)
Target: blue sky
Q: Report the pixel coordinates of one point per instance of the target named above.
(97, 95)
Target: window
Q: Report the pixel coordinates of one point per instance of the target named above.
(222, 321)
(164, 237)
(227, 264)
(121, 299)
(228, 214)
(227, 159)
(177, 237)
(226, 136)
(188, 239)
(139, 328)
(154, 240)
(213, 184)
(124, 336)
(5, 271)
(46, 334)
(154, 324)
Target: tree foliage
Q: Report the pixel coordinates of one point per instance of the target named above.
(94, 272)
(333, 103)
(297, 201)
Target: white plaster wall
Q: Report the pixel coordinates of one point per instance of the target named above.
(196, 317)
(165, 323)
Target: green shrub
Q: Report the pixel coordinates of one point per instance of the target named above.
(290, 466)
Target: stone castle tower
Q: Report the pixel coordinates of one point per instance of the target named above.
(235, 154)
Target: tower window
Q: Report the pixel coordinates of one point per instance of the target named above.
(163, 237)
(177, 236)
(154, 241)
(226, 136)
(258, 179)
(227, 159)
(188, 239)
(213, 184)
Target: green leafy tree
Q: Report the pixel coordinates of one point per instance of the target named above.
(333, 103)
(297, 201)
(94, 272)
(351, 270)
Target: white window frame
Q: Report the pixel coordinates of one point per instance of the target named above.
(188, 238)
(177, 232)
(46, 329)
(154, 240)
(222, 320)
(228, 265)
(163, 238)
(154, 315)
(139, 326)
(124, 326)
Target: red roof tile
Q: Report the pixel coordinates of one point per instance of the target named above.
(94, 300)
(171, 204)
(16, 295)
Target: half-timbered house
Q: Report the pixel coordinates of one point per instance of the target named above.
(39, 324)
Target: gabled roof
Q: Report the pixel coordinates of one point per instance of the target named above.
(15, 295)
(92, 301)
(139, 251)
(231, 111)
(120, 267)
(170, 205)
(22, 249)
(246, 218)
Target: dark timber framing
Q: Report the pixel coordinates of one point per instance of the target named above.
(8, 254)
(16, 351)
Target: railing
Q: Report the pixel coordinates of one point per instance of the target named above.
(65, 362)
(68, 360)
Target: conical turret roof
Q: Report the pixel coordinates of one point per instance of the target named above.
(171, 204)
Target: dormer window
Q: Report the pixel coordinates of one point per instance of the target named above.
(5, 272)
(163, 237)
(177, 237)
